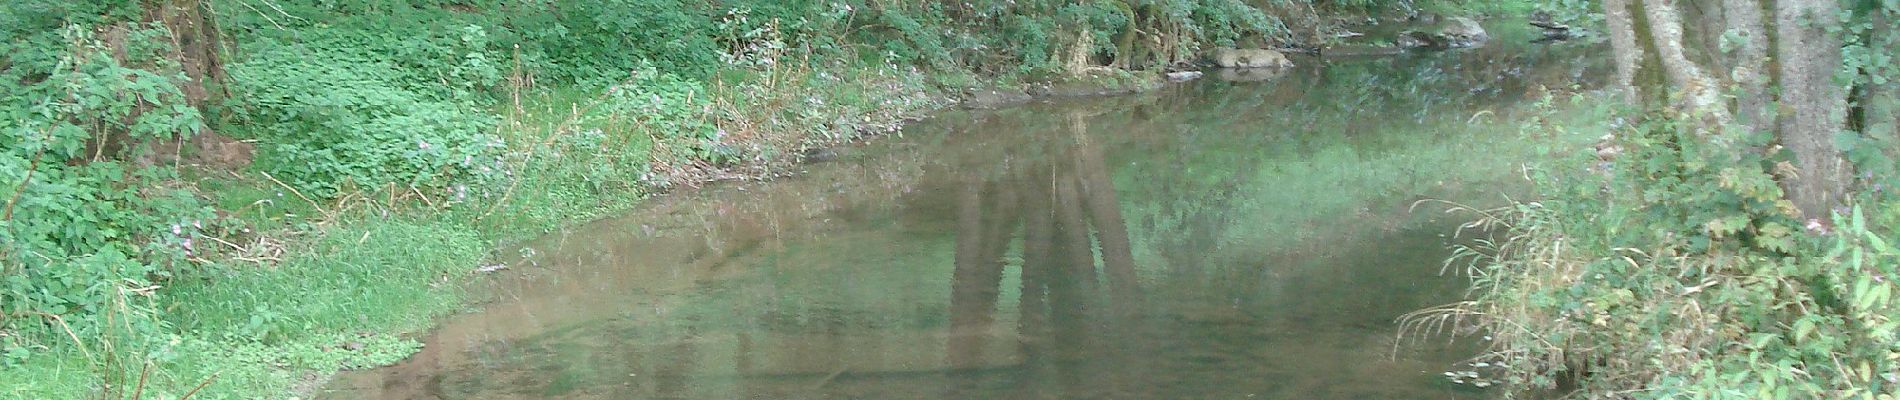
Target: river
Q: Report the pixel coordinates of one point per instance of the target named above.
(1239, 236)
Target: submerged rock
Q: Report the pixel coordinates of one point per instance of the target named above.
(1414, 39)
(1464, 32)
(1183, 76)
(1250, 58)
(1249, 74)
(818, 155)
(1100, 82)
(993, 98)
(1454, 32)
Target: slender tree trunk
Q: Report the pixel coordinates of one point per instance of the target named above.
(1816, 107)
(1707, 22)
(1699, 93)
(1627, 55)
(1750, 64)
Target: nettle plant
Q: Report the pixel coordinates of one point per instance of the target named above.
(332, 120)
(85, 229)
(674, 111)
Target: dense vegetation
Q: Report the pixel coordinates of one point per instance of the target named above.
(206, 197)
(1733, 234)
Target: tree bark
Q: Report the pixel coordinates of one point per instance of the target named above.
(1699, 93)
(1624, 50)
(1814, 107)
(1750, 64)
(194, 33)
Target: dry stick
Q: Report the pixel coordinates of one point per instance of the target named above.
(7, 215)
(139, 391)
(425, 198)
(69, 332)
(313, 203)
(201, 386)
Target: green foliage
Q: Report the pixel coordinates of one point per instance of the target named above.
(1677, 271)
(391, 97)
(83, 225)
(604, 37)
(330, 119)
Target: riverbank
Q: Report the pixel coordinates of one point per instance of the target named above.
(1260, 190)
(311, 286)
(366, 168)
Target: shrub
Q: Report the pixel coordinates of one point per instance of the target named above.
(329, 120)
(82, 228)
(1677, 271)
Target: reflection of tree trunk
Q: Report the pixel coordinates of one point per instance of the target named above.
(983, 232)
(1098, 194)
(1037, 234)
(1073, 232)
(1069, 286)
(971, 293)
(673, 378)
(1808, 56)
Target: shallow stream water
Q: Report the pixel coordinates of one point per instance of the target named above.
(1240, 236)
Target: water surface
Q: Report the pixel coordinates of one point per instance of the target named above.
(1247, 237)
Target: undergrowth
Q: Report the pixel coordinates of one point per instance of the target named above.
(1665, 263)
(392, 143)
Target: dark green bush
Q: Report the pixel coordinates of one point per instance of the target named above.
(329, 119)
(82, 224)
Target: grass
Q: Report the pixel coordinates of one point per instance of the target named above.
(346, 301)
(311, 285)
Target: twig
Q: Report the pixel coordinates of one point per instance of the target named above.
(829, 377)
(425, 198)
(139, 391)
(69, 333)
(558, 130)
(7, 215)
(313, 203)
(201, 386)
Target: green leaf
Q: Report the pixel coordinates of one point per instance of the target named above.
(1863, 289)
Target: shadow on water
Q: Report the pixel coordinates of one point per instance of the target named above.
(1219, 239)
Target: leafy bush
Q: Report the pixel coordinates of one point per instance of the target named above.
(593, 39)
(82, 226)
(1676, 270)
(329, 120)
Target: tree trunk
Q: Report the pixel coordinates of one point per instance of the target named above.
(1815, 107)
(1750, 64)
(1699, 93)
(1623, 47)
(195, 35)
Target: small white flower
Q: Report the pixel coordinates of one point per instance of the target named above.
(422, 144)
